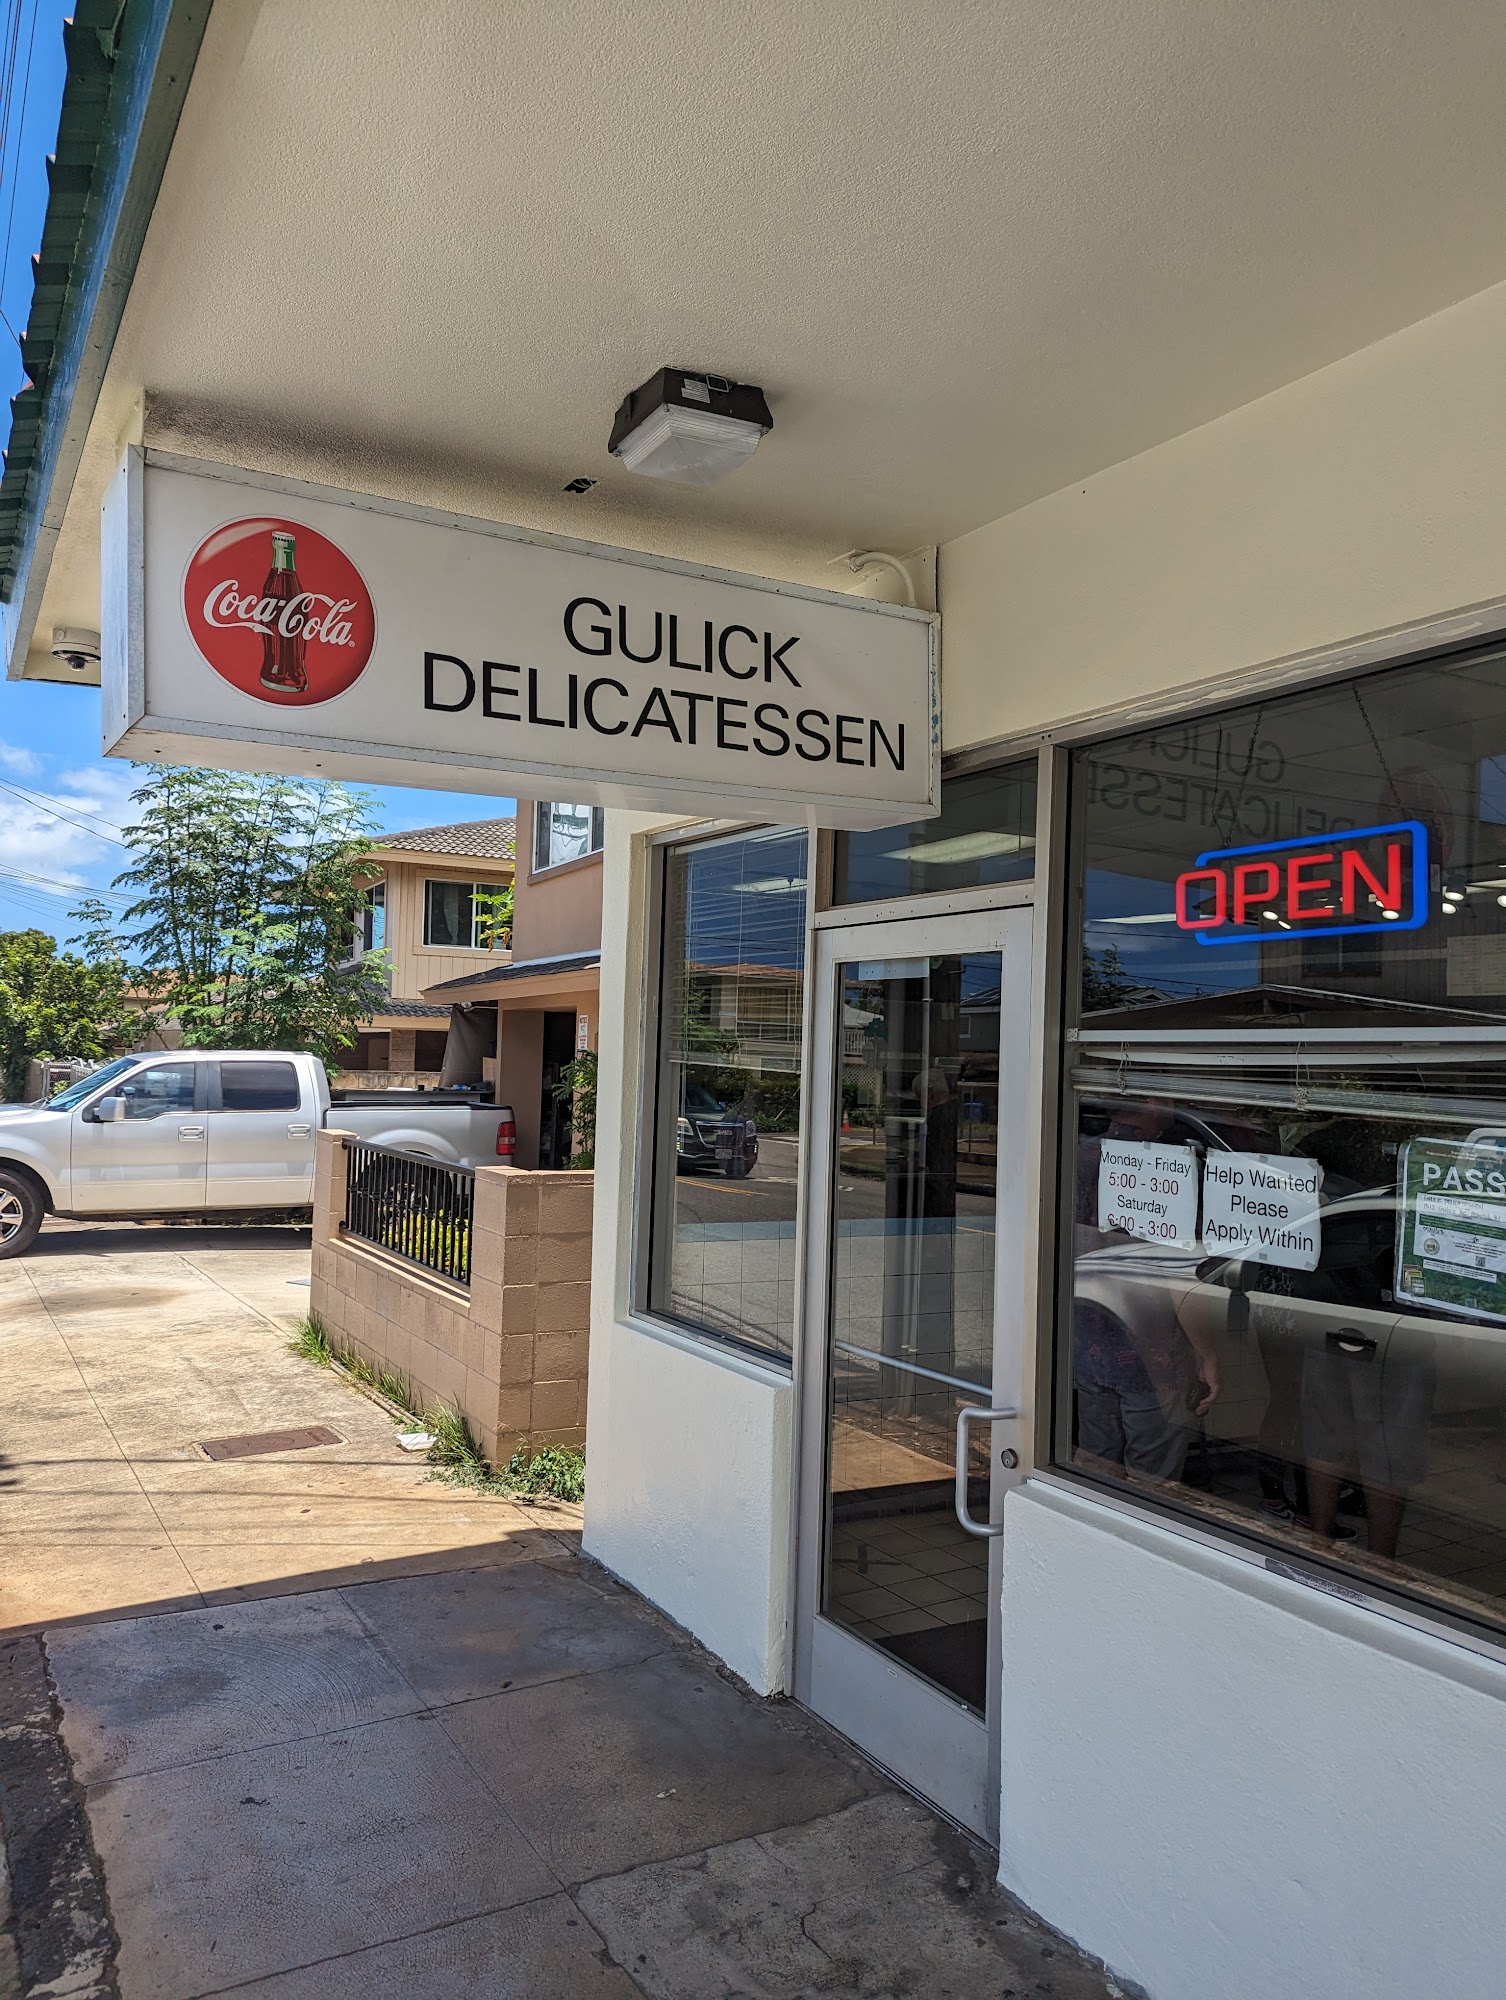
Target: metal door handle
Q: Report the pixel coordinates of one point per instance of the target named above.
(975, 1413)
(190, 1131)
(299, 1131)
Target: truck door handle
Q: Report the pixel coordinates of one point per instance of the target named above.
(1349, 1340)
(190, 1131)
(299, 1131)
(974, 1414)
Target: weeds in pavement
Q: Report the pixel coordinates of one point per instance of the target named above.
(455, 1451)
(555, 1473)
(312, 1342)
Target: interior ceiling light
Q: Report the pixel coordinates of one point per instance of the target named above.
(979, 846)
(691, 428)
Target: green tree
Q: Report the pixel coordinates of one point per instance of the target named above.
(55, 1004)
(242, 923)
(577, 1085)
(494, 917)
(1105, 983)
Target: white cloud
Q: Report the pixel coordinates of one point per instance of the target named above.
(24, 763)
(103, 795)
(34, 842)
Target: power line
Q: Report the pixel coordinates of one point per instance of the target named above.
(54, 887)
(39, 804)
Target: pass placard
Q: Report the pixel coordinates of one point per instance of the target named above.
(1148, 1190)
(1263, 1207)
(1451, 1228)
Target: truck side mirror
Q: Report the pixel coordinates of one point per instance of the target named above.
(108, 1111)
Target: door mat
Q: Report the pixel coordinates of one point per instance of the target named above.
(260, 1441)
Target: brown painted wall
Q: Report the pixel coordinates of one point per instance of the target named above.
(559, 911)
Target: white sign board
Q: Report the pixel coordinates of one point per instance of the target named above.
(1262, 1207)
(266, 625)
(1148, 1190)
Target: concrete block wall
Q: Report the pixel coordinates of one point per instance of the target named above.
(510, 1350)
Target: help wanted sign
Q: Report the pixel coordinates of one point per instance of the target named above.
(1262, 1207)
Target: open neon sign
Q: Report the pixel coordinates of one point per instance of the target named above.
(1370, 878)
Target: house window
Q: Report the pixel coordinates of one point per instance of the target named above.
(466, 916)
(372, 923)
(565, 833)
(1284, 1182)
(727, 1104)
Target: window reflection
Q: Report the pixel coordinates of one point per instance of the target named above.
(727, 1119)
(985, 832)
(1324, 778)
(912, 1286)
(1316, 1344)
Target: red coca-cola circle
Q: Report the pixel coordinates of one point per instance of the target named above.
(279, 611)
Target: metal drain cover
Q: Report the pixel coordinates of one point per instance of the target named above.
(260, 1441)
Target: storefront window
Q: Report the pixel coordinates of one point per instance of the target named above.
(1285, 1182)
(1334, 858)
(727, 1109)
(984, 833)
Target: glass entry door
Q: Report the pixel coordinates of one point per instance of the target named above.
(915, 1289)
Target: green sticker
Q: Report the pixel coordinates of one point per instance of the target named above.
(1451, 1233)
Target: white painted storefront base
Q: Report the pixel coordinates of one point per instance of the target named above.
(690, 1490)
(1227, 1785)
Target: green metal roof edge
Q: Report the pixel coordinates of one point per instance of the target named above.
(128, 68)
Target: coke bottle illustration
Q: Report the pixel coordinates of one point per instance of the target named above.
(284, 643)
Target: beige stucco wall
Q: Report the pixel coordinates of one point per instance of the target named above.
(510, 1350)
(1365, 496)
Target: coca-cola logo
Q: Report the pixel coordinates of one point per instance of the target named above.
(279, 611)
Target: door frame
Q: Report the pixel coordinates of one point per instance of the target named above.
(930, 1742)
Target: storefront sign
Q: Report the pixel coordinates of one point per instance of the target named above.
(258, 624)
(1148, 1190)
(1372, 878)
(1262, 1207)
(1451, 1233)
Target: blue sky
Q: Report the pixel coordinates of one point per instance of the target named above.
(62, 805)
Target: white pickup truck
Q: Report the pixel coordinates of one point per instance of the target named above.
(206, 1132)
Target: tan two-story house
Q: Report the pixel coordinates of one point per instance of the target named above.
(426, 899)
(537, 1008)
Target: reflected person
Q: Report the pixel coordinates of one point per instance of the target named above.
(1142, 1377)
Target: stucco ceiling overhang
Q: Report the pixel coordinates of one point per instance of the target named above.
(972, 253)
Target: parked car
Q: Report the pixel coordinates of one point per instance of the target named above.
(199, 1132)
(1344, 1310)
(711, 1138)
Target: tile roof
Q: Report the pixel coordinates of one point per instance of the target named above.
(419, 1010)
(480, 839)
(529, 968)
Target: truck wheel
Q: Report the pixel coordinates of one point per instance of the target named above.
(21, 1213)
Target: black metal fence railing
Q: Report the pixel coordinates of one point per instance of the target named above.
(418, 1209)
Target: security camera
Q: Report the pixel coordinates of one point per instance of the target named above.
(76, 649)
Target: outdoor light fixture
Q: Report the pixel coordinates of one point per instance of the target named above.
(693, 429)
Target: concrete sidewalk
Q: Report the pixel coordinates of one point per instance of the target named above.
(314, 1727)
(515, 1781)
(121, 1349)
